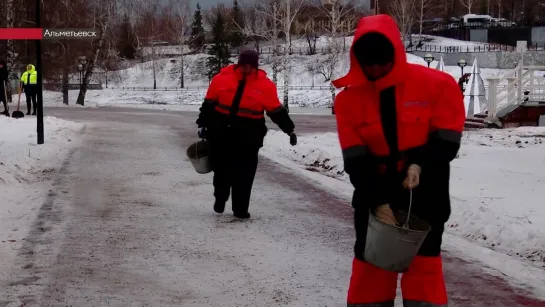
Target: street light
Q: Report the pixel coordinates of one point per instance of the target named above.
(462, 63)
(429, 58)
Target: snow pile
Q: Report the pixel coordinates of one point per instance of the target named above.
(496, 184)
(25, 171)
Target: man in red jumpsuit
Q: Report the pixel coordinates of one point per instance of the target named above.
(399, 126)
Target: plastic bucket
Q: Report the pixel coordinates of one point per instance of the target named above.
(393, 248)
(199, 155)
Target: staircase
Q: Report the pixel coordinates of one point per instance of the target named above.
(476, 122)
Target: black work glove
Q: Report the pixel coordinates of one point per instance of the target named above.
(293, 139)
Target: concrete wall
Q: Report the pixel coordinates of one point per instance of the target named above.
(497, 59)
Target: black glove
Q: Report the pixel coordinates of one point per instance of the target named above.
(202, 133)
(293, 139)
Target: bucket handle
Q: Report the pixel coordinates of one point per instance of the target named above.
(197, 148)
(406, 224)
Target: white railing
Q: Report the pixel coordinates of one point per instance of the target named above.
(514, 86)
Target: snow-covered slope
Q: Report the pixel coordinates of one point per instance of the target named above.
(134, 85)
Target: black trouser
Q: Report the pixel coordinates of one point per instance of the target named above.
(31, 93)
(234, 171)
(3, 97)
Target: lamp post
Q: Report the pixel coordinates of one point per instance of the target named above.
(40, 102)
(429, 58)
(462, 63)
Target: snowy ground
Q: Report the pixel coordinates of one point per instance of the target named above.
(497, 192)
(25, 171)
(127, 222)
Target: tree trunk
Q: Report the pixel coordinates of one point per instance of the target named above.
(182, 64)
(96, 53)
(285, 58)
(10, 50)
(153, 66)
(65, 83)
(422, 2)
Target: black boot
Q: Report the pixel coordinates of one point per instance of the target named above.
(28, 112)
(242, 215)
(34, 113)
(219, 206)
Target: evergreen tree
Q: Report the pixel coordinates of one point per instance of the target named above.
(219, 53)
(127, 39)
(198, 36)
(236, 36)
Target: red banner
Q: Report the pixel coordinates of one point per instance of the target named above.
(21, 33)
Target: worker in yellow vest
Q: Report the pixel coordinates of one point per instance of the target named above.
(29, 83)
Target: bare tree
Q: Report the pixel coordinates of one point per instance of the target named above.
(179, 23)
(499, 3)
(403, 12)
(264, 24)
(291, 10)
(311, 36)
(104, 10)
(424, 4)
(468, 4)
(341, 19)
(312, 67)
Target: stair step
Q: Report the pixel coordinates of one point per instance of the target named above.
(474, 125)
(475, 120)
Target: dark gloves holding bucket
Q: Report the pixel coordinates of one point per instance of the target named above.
(202, 133)
(293, 139)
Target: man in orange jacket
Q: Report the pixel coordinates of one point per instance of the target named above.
(232, 119)
(399, 126)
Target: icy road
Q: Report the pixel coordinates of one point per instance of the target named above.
(128, 223)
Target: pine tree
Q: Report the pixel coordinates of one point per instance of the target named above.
(236, 36)
(219, 53)
(198, 36)
(127, 40)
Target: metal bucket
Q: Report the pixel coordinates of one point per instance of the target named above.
(393, 248)
(199, 155)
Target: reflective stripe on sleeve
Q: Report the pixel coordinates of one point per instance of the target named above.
(280, 108)
(240, 110)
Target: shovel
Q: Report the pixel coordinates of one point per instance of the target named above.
(17, 113)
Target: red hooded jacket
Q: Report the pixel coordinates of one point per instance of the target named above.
(428, 118)
(258, 96)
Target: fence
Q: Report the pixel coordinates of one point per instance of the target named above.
(58, 86)
(204, 88)
(458, 49)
